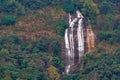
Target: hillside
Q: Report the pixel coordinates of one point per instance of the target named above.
(32, 39)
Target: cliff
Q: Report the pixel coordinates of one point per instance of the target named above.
(90, 39)
(79, 39)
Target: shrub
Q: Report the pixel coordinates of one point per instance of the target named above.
(53, 73)
(42, 76)
(16, 39)
(55, 42)
(58, 63)
(111, 37)
(34, 4)
(41, 45)
(69, 7)
(104, 7)
(60, 26)
(9, 20)
(90, 10)
(104, 35)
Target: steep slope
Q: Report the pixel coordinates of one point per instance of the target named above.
(31, 39)
(36, 23)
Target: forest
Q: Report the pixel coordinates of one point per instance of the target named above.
(32, 39)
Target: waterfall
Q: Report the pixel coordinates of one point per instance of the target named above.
(80, 35)
(70, 42)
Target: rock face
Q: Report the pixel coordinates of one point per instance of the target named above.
(79, 39)
(90, 39)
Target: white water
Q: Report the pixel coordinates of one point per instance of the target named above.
(69, 41)
(80, 36)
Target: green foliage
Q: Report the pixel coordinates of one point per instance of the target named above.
(3, 53)
(8, 6)
(40, 59)
(58, 63)
(42, 44)
(69, 6)
(32, 4)
(105, 35)
(55, 42)
(104, 7)
(106, 22)
(53, 73)
(90, 10)
(48, 44)
(20, 61)
(38, 4)
(7, 78)
(114, 1)
(15, 38)
(9, 20)
(72, 77)
(42, 76)
(60, 26)
(111, 37)
(12, 7)
(102, 67)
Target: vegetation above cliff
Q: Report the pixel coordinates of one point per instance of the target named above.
(32, 33)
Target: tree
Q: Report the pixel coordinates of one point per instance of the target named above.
(69, 6)
(114, 1)
(31, 4)
(60, 26)
(41, 44)
(104, 7)
(55, 43)
(16, 39)
(90, 10)
(7, 78)
(53, 73)
(104, 35)
(58, 63)
(105, 65)
(42, 76)
(9, 20)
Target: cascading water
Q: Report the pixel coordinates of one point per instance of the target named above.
(80, 35)
(70, 41)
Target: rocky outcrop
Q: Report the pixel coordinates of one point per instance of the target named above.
(90, 38)
(79, 40)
